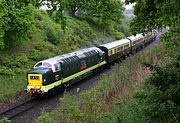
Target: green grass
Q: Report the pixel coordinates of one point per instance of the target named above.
(11, 86)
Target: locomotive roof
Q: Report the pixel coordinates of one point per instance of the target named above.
(115, 43)
(76, 53)
(136, 37)
(49, 63)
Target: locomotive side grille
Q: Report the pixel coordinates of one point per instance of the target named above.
(35, 79)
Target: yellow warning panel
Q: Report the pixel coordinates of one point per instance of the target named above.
(35, 79)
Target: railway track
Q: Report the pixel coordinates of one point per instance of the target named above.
(15, 111)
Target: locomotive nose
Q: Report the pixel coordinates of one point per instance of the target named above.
(35, 80)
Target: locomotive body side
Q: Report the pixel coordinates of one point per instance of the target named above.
(63, 70)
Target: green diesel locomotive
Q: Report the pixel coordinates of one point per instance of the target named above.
(63, 70)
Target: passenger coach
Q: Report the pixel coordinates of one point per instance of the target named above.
(115, 50)
(137, 42)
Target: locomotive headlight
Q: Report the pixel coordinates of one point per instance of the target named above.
(44, 80)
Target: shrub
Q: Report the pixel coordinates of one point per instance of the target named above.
(40, 55)
(45, 46)
(123, 28)
(6, 71)
(67, 112)
(166, 81)
(5, 120)
(158, 100)
(5, 60)
(52, 35)
(20, 59)
(118, 35)
(14, 60)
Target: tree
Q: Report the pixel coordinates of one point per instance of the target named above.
(159, 99)
(150, 14)
(75, 6)
(16, 21)
(106, 12)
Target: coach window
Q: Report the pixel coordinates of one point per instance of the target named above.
(126, 46)
(120, 48)
(134, 42)
(109, 53)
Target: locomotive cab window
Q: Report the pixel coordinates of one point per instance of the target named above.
(47, 65)
(38, 65)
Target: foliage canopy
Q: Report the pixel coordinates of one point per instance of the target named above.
(150, 14)
(16, 21)
(106, 12)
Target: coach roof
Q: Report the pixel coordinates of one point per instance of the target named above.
(115, 43)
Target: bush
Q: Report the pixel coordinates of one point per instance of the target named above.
(45, 46)
(52, 35)
(40, 55)
(20, 59)
(5, 120)
(158, 100)
(43, 50)
(5, 60)
(123, 28)
(118, 35)
(6, 71)
(14, 60)
(166, 81)
(67, 112)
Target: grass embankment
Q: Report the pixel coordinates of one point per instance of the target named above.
(48, 39)
(104, 102)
